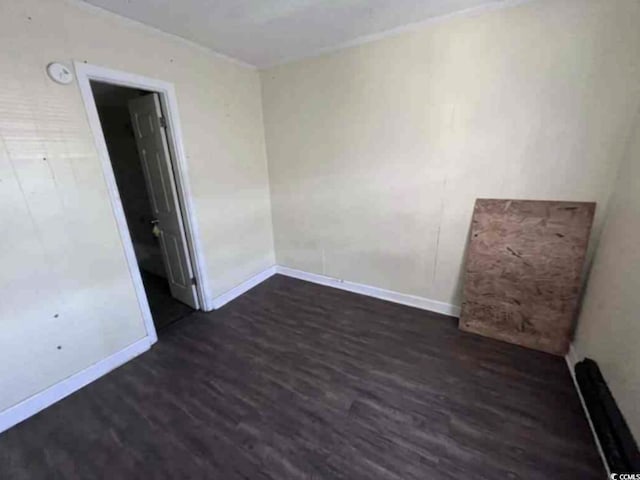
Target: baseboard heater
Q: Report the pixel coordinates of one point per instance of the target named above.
(617, 442)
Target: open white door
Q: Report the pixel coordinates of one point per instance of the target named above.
(151, 139)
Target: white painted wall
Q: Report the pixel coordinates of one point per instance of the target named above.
(64, 280)
(377, 153)
(609, 326)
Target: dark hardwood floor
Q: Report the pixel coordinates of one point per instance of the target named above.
(295, 380)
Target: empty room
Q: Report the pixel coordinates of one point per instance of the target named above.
(320, 239)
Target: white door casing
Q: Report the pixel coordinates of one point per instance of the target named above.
(151, 140)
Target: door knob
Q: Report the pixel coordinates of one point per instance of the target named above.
(155, 231)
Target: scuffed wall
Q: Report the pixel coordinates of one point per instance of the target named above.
(377, 152)
(66, 297)
(609, 326)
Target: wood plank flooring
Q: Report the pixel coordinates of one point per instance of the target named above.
(294, 380)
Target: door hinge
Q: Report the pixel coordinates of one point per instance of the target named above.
(163, 122)
(194, 281)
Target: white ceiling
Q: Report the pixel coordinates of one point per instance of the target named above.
(267, 32)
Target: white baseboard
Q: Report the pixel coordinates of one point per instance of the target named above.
(572, 357)
(245, 286)
(380, 293)
(389, 295)
(40, 401)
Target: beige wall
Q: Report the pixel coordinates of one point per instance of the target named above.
(377, 153)
(609, 326)
(64, 280)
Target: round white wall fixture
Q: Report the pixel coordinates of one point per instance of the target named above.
(59, 73)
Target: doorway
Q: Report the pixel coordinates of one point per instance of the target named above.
(132, 125)
(135, 124)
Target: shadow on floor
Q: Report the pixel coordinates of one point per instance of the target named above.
(164, 308)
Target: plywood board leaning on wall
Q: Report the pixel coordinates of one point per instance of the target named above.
(523, 271)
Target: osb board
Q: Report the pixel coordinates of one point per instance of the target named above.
(523, 271)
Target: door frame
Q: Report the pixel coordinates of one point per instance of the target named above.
(85, 73)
